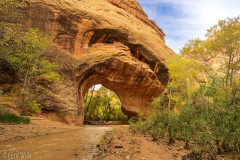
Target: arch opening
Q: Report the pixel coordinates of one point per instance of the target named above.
(118, 70)
(103, 106)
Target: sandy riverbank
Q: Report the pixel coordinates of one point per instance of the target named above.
(38, 127)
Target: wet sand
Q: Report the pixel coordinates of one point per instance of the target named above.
(49, 140)
(81, 144)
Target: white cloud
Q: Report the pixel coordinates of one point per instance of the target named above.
(182, 20)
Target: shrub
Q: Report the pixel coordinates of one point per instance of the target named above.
(140, 126)
(12, 118)
(34, 107)
(207, 129)
(201, 104)
(7, 117)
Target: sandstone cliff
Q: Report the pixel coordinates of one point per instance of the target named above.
(135, 9)
(108, 42)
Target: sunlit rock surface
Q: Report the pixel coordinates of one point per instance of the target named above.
(108, 42)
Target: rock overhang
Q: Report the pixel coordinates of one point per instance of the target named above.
(110, 43)
(132, 80)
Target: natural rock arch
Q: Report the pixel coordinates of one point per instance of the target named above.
(111, 42)
(132, 80)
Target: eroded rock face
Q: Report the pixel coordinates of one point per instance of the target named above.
(135, 9)
(108, 42)
(132, 80)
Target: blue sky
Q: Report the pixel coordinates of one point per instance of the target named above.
(182, 20)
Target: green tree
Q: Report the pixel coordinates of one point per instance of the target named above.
(185, 75)
(25, 50)
(103, 105)
(216, 100)
(220, 56)
(202, 102)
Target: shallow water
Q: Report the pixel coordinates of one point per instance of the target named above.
(72, 145)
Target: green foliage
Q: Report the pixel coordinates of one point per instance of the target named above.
(34, 106)
(7, 117)
(204, 126)
(103, 105)
(184, 74)
(155, 124)
(13, 119)
(202, 102)
(223, 46)
(25, 50)
(143, 126)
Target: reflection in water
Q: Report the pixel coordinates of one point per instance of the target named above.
(80, 144)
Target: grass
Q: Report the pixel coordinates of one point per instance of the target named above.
(11, 118)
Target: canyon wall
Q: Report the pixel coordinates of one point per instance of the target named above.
(108, 42)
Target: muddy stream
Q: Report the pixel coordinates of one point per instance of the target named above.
(80, 144)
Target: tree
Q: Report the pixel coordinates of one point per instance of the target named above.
(218, 97)
(25, 50)
(185, 75)
(220, 56)
(203, 93)
(103, 105)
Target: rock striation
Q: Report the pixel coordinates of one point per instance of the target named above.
(135, 9)
(108, 42)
